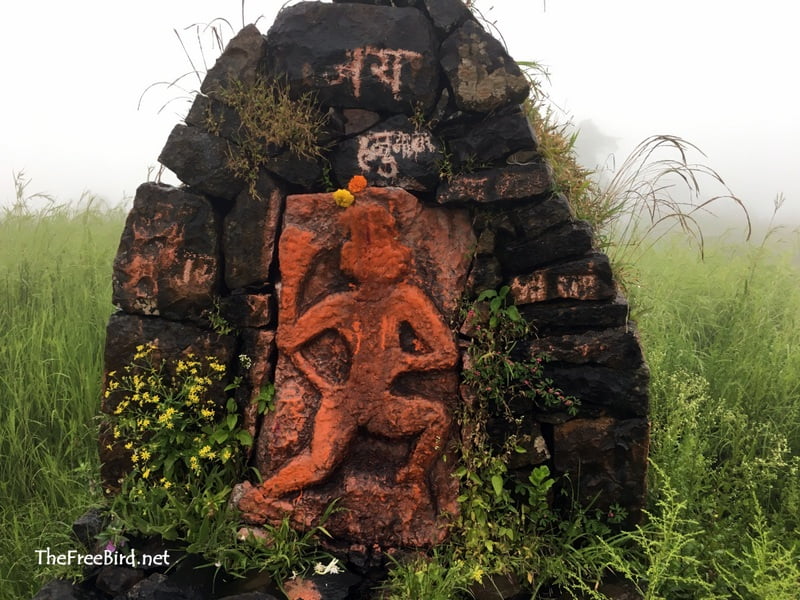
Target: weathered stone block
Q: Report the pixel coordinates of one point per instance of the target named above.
(525, 221)
(568, 241)
(116, 580)
(249, 310)
(485, 274)
(357, 120)
(495, 137)
(301, 171)
(356, 56)
(482, 76)
(393, 153)
(620, 393)
(202, 161)
(168, 259)
(249, 238)
(575, 315)
(585, 279)
(211, 115)
(616, 348)
(238, 62)
(446, 15)
(506, 184)
(606, 460)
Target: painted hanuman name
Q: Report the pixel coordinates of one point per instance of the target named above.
(382, 64)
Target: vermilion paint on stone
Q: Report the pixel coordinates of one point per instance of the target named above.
(168, 259)
(367, 368)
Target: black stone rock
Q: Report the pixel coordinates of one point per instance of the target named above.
(621, 393)
(588, 278)
(159, 587)
(250, 233)
(168, 260)
(616, 348)
(393, 153)
(562, 316)
(377, 58)
(65, 590)
(503, 185)
(250, 596)
(562, 243)
(495, 137)
(446, 15)
(482, 76)
(88, 526)
(114, 580)
(201, 160)
(238, 62)
(524, 221)
(208, 114)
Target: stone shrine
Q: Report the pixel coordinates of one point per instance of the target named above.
(349, 304)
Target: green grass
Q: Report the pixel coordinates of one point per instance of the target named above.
(55, 281)
(721, 341)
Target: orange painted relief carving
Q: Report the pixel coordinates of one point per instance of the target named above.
(367, 371)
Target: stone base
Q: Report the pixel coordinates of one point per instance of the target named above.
(395, 514)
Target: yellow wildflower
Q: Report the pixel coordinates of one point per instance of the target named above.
(206, 452)
(146, 473)
(343, 198)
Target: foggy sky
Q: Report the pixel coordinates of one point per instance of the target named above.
(718, 73)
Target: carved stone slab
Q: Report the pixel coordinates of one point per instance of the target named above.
(367, 371)
(356, 55)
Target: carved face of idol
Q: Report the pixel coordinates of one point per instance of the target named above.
(373, 254)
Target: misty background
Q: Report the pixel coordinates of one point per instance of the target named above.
(92, 89)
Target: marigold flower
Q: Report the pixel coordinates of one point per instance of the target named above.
(357, 183)
(343, 198)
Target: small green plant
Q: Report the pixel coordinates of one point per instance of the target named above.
(216, 319)
(495, 371)
(272, 121)
(500, 511)
(435, 577)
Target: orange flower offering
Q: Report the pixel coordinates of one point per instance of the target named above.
(357, 183)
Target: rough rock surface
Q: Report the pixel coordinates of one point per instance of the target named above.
(168, 261)
(483, 77)
(356, 56)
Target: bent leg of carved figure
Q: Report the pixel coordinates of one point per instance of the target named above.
(398, 416)
(333, 430)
